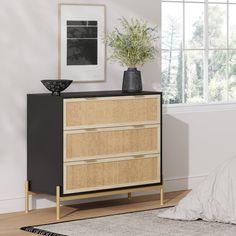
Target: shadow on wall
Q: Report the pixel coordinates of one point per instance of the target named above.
(175, 153)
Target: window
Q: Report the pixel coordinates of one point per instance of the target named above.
(198, 51)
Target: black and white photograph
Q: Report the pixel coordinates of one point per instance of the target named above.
(82, 40)
(82, 50)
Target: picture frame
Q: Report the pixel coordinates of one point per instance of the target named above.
(81, 46)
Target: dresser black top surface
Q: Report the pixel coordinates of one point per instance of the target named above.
(110, 93)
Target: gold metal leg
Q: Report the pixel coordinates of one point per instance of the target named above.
(162, 196)
(58, 201)
(26, 196)
(129, 196)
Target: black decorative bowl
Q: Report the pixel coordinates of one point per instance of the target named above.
(56, 86)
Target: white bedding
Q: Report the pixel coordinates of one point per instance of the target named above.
(213, 200)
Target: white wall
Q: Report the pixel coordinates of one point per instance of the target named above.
(194, 143)
(197, 142)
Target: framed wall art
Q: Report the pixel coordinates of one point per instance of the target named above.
(82, 51)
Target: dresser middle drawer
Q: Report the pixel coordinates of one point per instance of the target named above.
(85, 144)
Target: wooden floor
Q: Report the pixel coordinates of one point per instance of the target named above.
(11, 223)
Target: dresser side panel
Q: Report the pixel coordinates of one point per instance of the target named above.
(44, 143)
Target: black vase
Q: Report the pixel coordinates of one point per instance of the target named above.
(132, 81)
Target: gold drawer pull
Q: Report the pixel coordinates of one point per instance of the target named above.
(139, 126)
(91, 161)
(139, 156)
(139, 96)
(92, 98)
(91, 129)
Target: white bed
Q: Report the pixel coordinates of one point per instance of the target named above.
(213, 200)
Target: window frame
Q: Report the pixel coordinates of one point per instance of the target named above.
(205, 49)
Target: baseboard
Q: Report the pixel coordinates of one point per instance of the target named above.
(18, 204)
(45, 201)
(182, 183)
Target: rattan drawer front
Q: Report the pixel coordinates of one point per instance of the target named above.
(111, 173)
(105, 112)
(79, 145)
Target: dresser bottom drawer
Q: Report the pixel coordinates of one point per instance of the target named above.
(100, 174)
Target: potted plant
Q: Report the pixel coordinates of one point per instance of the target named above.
(132, 46)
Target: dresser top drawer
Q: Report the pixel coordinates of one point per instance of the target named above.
(111, 111)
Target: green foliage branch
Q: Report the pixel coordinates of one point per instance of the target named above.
(133, 45)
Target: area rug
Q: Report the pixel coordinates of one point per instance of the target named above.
(144, 223)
